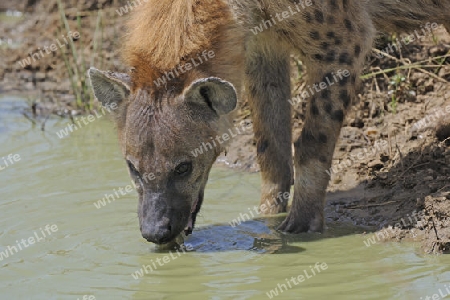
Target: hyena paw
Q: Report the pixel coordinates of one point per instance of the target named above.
(298, 224)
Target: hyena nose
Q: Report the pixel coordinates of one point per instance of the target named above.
(157, 234)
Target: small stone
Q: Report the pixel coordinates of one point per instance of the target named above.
(372, 132)
(40, 76)
(383, 176)
(337, 180)
(438, 50)
(359, 123)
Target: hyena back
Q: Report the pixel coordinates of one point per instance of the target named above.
(165, 112)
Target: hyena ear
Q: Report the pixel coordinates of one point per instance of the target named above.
(218, 94)
(109, 87)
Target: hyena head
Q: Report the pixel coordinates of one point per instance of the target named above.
(159, 132)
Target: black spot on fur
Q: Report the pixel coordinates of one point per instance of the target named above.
(318, 16)
(345, 58)
(330, 35)
(283, 32)
(314, 110)
(262, 146)
(324, 45)
(343, 81)
(348, 25)
(325, 94)
(328, 108)
(357, 50)
(344, 97)
(327, 77)
(313, 107)
(318, 56)
(330, 56)
(437, 3)
(323, 138)
(338, 115)
(253, 90)
(307, 137)
(308, 17)
(345, 4)
(314, 35)
(334, 4)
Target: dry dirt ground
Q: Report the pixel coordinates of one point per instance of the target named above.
(391, 169)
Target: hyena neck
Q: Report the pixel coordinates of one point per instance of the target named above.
(164, 52)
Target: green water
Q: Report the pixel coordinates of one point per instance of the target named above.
(94, 252)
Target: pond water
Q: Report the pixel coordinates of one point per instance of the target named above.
(57, 244)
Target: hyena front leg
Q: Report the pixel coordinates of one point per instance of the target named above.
(268, 91)
(314, 150)
(334, 55)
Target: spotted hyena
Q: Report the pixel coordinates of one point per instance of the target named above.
(189, 62)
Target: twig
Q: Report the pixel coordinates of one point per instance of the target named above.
(413, 166)
(434, 225)
(370, 205)
(401, 155)
(43, 123)
(408, 66)
(444, 141)
(442, 188)
(30, 119)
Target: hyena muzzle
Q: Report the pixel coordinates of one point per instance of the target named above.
(188, 60)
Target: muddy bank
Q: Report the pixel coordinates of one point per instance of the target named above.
(35, 47)
(392, 159)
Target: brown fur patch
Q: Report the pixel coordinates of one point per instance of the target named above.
(166, 33)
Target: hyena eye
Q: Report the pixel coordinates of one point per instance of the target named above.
(133, 170)
(183, 168)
